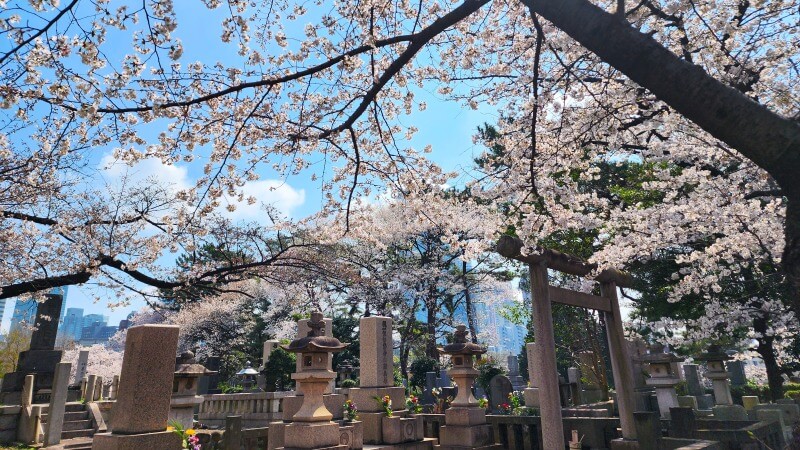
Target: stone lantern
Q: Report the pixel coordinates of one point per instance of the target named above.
(715, 371)
(662, 377)
(465, 422)
(248, 377)
(312, 427)
(184, 389)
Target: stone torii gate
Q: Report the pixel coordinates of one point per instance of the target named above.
(543, 296)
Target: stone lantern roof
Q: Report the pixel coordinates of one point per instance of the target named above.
(187, 366)
(657, 356)
(460, 345)
(714, 353)
(315, 342)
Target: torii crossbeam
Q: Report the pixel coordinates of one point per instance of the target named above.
(543, 296)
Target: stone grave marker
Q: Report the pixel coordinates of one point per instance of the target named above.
(691, 373)
(499, 389)
(736, 369)
(139, 417)
(41, 359)
(83, 362)
(513, 373)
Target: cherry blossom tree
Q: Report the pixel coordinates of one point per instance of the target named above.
(709, 79)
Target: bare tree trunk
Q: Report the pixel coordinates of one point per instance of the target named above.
(430, 327)
(473, 329)
(768, 139)
(766, 350)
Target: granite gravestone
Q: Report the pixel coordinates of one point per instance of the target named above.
(513, 373)
(499, 389)
(695, 387)
(42, 358)
(736, 369)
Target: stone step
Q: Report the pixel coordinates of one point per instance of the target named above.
(76, 415)
(77, 425)
(84, 443)
(77, 433)
(74, 407)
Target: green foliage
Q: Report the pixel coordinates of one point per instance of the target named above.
(278, 370)
(348, 383)
(750, 389)
(344, 329)
(419, 367)
(227, 388)
(682, 388)
(793, 394)
(231, 363)
(488, 368)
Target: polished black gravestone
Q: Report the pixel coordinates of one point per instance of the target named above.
(42, 358)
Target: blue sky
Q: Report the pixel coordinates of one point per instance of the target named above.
(447, 126)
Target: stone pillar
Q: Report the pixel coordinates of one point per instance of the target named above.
(531, 394)
(377, 365)
(142, 408)
(27, 391)
(98, 386)
(737, 374)
(691, 373)
(58, 401)
(114, 388)
(84, 385)
(549, 397)
(513, 373)
(91, 389)
(377, 377)
(269, 347)
(575, 385)
(83, 362)
(620, 362)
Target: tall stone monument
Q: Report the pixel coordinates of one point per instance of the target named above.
(465, 422)
(695, 387)
(42, 357)
(377, 377)
(139, 417)
(513, 373)
(532, 393)
(312, 427)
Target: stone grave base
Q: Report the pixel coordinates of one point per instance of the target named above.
(472, 436)
(425, 444)
(365, 398)
(730, 412)
(158, 440)
(333, 402)
(531, 397)
(458, 447)
(373, 425)
(396, 430)
(310, 435)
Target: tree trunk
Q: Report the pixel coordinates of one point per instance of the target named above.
(473, 331)
(766, 350)
(766, 138)
(430, 338)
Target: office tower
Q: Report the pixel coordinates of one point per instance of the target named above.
(25, 310)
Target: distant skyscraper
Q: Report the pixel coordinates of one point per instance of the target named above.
(72, 326)
(25, 310)
(92, 319)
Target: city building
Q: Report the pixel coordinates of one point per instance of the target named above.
(25, 310)
(72, 326)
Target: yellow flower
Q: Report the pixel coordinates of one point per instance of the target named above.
(191, 432)
(170, 428)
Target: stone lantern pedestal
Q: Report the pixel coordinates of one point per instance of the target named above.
(724, 408)
(184, 390)
(465, 422)
(312, 427)
(663, 378)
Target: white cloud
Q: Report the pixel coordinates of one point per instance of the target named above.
(277, 193)
(117, 172)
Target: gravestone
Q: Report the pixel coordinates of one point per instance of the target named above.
(83, 362)
(588, 363)
(427, 393)
(142, 409)
(736, 369)
(499, 389)
(691, 373)
(209, 384)
(377, 365)
(42, 358)
(575, 385)
(513, 373)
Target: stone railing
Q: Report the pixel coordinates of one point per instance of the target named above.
(256, 408)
